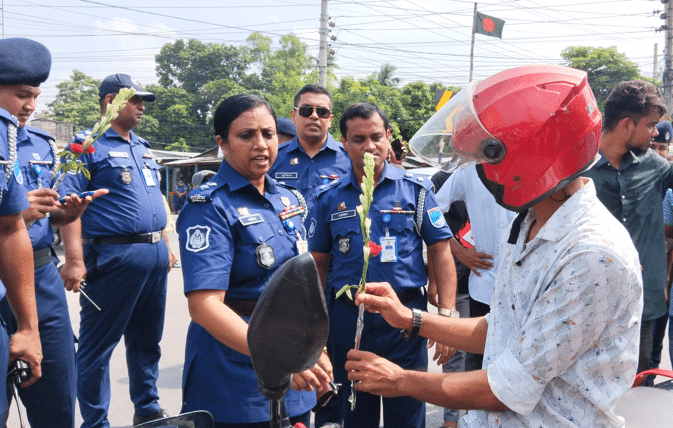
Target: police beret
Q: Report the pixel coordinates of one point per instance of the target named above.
(116, 82)
(665, 130)
(285, 126)
(23, 62)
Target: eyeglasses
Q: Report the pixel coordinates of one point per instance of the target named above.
(307, 111)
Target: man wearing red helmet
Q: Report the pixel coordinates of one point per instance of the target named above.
(561, 342)
(631, 181)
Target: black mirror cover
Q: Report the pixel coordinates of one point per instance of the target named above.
(288, 329)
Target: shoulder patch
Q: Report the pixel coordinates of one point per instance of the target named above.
(197, 238)
(436, 217)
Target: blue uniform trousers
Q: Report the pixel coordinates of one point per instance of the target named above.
(383, 340)
(4, 362)
(50, 402)
(128, 282)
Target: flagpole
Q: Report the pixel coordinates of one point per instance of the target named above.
(474, 30)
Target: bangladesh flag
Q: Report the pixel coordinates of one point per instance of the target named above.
(489, 25)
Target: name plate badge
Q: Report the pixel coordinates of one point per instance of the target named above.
(251, 219)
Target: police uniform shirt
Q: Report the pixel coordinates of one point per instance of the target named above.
(13, 194)
(135, 203)
(294, 167)
(232, 238)
(335, 228)
(33, 145)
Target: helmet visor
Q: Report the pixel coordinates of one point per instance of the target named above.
(455, 137)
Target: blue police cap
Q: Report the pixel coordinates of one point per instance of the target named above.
(665, 130)
(116, 82)
(285, 126)
(23, 62)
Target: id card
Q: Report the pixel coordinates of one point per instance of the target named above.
(147, 175)
(389, 251)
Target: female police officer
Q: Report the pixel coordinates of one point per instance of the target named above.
(235, 230)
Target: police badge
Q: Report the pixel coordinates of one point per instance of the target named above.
(265, 256)
(125, 176)
(345, 245)
(197, 238)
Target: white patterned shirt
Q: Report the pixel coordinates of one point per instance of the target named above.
(563, 332)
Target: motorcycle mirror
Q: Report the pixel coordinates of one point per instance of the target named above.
(288, 328)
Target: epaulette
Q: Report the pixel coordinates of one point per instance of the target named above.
(81, 135)
(325, 187)
(204, 192)
(421, 180)
(144, 142)
(284, 184)
(40, 132)
(8, 116)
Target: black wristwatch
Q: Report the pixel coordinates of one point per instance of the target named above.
(416, 326)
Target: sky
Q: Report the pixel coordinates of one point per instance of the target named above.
(425, 40)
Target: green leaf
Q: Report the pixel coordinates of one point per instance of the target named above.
(348, 293)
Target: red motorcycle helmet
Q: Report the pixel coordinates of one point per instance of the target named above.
(531, 129)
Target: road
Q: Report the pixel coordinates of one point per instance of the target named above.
(173, 348)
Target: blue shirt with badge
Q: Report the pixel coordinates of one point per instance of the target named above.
(232, 238)
(294, 167)
(36, 159)
(335, 229)
(129, 171)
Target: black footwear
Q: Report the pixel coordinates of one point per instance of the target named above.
(137, 420)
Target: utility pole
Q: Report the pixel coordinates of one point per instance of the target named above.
(654, 68)
(322, 53)
(474, 30)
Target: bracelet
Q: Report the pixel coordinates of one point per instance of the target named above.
(451, 313)
(417, 321)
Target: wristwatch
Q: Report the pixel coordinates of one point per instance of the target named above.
(451, 313)
(416, 322)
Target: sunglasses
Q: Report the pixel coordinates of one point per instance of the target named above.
(307, 111)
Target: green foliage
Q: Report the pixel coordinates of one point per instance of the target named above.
(77, 101)
(605, 68)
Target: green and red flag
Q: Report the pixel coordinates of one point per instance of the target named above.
(489, 25)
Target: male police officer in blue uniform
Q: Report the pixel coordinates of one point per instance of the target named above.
(21, 62)
(119, 248)
(404, 214)
(310, 159)
(313, 157)
(51, 401)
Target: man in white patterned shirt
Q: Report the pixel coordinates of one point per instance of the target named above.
(561, 342)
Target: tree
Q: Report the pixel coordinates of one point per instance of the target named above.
(418, 99)
(385, 76)
(77, 101)
(605, 68)
(193, 64)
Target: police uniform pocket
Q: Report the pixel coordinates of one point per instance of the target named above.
(256, 246)
(346, 234)
(403, 227)
(118, 170)
(154, 167)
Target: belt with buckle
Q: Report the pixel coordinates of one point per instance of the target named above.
(42, 257)
(142, 238)
(405, 297)
(243, 307)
